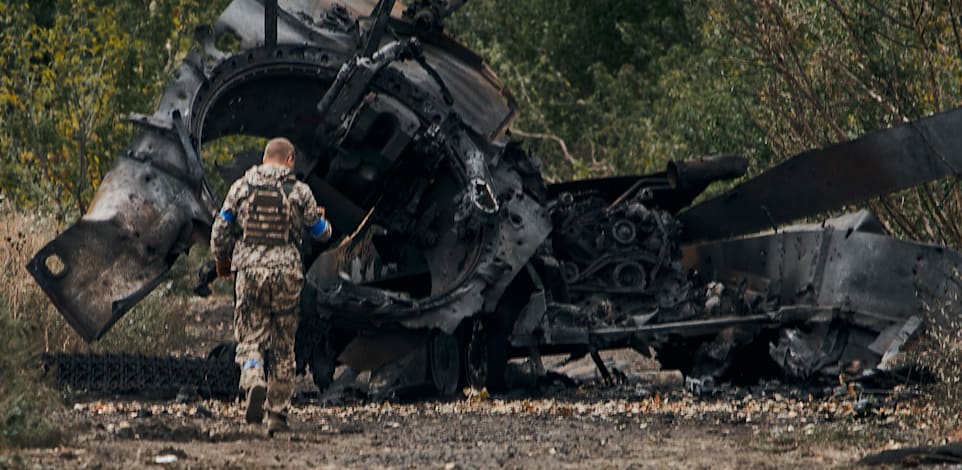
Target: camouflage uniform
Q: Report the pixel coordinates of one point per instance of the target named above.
(268, 279)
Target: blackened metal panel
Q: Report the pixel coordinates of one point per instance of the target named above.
(245, 19)
(480, 98)
(820, 180)
(868, 274)
(121, 249)
(670, 190)
(526, 228)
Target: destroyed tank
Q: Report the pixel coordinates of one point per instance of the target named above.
(452, 254)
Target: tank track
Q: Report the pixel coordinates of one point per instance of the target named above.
(158, 377)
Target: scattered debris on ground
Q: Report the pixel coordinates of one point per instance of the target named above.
(769, 425)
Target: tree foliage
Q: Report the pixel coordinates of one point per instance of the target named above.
(72, 70)
(585, 72)
(831, 70)
(627, 85)
(605, 87)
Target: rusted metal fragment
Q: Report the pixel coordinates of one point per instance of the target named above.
(145, 212)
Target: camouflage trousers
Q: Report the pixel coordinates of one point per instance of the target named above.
(265, 320)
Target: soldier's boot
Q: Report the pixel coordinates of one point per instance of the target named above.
(256, 395)
(252, 380)
(276, 423)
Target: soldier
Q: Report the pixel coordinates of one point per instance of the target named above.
(257, 236)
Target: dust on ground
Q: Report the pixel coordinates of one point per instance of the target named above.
(594, 425)
(607, 427)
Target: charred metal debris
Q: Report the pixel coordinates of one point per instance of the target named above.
(454, 256)
(155, 376)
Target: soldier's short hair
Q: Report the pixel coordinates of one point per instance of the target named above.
(277, 149)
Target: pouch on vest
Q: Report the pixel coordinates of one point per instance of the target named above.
(267, 217)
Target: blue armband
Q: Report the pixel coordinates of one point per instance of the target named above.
(319, 227)
(227, 216)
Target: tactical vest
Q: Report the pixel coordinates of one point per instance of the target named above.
(267, 215)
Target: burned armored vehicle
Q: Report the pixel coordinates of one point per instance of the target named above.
(454, 256)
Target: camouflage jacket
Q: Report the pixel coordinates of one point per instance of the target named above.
(226, 240)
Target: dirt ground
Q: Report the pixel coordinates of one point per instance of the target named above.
(594, 425)
(604, 427)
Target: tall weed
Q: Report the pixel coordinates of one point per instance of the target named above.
(31, 325)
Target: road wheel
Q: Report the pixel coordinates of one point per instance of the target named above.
(485, 356)
(444, 363)
(322, 368)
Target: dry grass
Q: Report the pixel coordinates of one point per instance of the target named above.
(24, 401)
(940, 352)
(22, 235)
(31, 326)
(155, 325)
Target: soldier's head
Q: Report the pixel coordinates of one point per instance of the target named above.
(279, 151)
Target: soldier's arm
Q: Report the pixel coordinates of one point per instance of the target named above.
(313, 214)
(223, 233)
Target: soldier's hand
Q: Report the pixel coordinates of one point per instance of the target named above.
(223, 268)
(320, 211)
